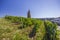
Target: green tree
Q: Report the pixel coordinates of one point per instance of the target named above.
(28, 14)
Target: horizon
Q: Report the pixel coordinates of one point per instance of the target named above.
(38, 8)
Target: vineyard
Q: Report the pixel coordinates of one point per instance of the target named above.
(20, 28)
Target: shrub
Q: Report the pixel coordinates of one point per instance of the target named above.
(50, 30)
(38, 31)
(13, 19)
(58, 34)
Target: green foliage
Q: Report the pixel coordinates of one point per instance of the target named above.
(38, 31)
(58, 35)
(18, 36)
(8, 30)
(42, 30)
(27, 22)
(20, 20)
(51, 29)
(13, 19)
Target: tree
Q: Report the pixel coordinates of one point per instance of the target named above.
(28, 14)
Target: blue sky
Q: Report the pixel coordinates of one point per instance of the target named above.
(38, 8)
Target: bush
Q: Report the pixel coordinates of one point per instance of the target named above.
(38, 31)
(58, 35)
(51, 29)
(13, 19)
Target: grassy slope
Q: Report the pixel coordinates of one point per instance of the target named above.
(8, 29)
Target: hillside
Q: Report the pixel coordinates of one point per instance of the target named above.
(55, 20)
(10, 30)
(20, 28)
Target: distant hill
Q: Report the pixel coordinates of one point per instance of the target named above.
(54, 20)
